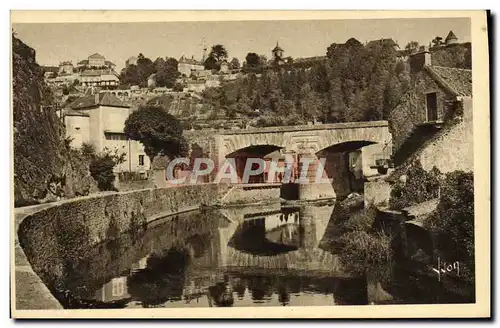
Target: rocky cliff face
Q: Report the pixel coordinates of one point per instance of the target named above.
(41, 155)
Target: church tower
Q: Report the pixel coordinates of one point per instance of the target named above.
(278, 54)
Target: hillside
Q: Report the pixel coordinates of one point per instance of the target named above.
(354, 82)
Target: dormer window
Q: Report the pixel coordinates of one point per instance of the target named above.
(431, 100)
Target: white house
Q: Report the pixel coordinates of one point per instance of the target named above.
(100, 119)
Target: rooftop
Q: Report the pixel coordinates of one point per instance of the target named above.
(104, 99)
(458, 81)
(191, 61)
(451, 36)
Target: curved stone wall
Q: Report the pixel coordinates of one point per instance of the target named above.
(48, 239)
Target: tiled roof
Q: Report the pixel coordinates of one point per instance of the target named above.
(457, 80)
(105, 99)
(277, 48)
(53, 69)
(451, 36)
(108, 63)
(73, 112)
(96, 55)
(83, 62)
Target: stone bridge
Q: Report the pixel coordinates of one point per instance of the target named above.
(333, 142)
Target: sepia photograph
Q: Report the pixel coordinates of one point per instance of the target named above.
(246, 164)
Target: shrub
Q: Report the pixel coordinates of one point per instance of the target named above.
(420, 186)
(453, 219)
(101, 169)
(362, 250)
(88, 151)
(361, 220)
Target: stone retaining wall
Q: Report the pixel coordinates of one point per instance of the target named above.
(47, 238)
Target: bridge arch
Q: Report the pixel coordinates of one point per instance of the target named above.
(346, 146)
(234, 142)
(242, 155)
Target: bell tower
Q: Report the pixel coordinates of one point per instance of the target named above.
(278, 53)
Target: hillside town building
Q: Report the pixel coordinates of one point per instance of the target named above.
(99, 119)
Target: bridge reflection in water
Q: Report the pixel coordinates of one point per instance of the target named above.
(231, 257)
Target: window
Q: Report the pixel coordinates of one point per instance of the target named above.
(115, 136)
(432, 114)
(141, 160)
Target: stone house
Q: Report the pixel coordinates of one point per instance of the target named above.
(100, 119)
(106, 79)
(152, 81)
(187, 65)
(95, 61)
(432, 126)
(435, 95)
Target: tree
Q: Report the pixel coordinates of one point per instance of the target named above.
(130, 76)
(218, 52)
(178, 87)
(166, 72)
(102, 165)
(145, 67)
(437, 41)
(252, 59)
(412, 45)
(211, 63)
(235, 63)
(159, 132)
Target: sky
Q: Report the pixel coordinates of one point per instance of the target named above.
(56, 42)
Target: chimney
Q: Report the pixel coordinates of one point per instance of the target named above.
(418, 60)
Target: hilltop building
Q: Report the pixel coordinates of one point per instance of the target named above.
(277, 53)
(99, 119)
(187, 65)
(451, 38)
(95, 61)
(66, 67)
(104, 78)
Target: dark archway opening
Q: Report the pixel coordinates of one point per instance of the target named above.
(344, 166)
(241, 156)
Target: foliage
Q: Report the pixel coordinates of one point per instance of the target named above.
(356, 83)
(217, 55)
(453, 219)
(234, 64)
(178, 87)
(359, 245)
(218, 52)
(412, 45)
(437, 41)
(361, 220)
(159, 132)
(420, 186)
(102, 165)
(362, 249)
(252, 59)
(166, 72)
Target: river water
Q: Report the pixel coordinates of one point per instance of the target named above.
(252, 256)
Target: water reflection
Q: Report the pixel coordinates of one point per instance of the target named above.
(232, 257)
